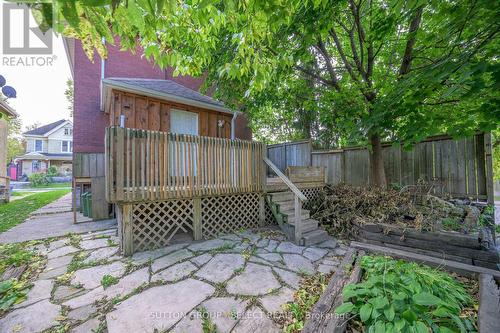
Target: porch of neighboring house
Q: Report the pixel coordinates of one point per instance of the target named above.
(167, 185)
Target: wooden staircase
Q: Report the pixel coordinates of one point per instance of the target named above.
(282, 205)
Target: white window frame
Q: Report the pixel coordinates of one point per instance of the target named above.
(67, 131)
(177, 111)
(34, 146)
(70, 146)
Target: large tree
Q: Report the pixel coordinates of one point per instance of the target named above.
(378, 69)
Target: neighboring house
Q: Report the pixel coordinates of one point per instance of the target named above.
(126, 89)
(47, 146)
(6, 112)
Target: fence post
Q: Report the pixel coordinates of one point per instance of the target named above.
(197, 227)
(262, 209)
(298, 222)
(489, 168)
(124, 217)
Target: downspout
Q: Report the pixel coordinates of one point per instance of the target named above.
(233, 120)
(103, 67)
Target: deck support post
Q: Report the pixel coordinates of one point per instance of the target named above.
(262, 209)
(298, 222)
(124, 217)
(197, 230)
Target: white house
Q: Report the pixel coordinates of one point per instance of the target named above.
(46, 146)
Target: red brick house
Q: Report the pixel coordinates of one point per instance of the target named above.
(103, 96)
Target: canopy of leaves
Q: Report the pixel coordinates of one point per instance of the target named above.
(332, 70)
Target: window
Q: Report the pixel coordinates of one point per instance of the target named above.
(38, 145)
(35, 166)
(183, 122)
(68, 131)
(67, 146)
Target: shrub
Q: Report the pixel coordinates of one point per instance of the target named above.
(52, 171)
(397, 296)
(39, 179)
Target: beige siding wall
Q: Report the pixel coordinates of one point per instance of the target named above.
(30, 144)
(3, 147)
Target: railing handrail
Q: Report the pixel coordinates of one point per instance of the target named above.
(285, 179)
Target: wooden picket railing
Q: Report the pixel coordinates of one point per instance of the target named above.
(144, 165)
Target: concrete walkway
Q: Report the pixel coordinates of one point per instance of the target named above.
(52, 220)
(238, 283)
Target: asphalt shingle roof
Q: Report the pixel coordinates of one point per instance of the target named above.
(166, 87)
(45, 128)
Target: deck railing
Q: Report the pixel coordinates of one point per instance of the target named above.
(146, 165)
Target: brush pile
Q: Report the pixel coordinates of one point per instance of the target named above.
(342, 208)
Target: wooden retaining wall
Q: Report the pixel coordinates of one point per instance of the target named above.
(462, 168)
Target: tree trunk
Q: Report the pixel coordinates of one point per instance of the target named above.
(377, 172)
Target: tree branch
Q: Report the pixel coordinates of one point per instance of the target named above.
(322, 49)
(410, 43)
(340, 49)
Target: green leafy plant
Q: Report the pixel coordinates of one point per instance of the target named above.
(39, 179)
(450, 223)
(11, 292)
(52, 171)
(108, 280)
(397, 296)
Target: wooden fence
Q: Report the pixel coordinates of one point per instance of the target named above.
(288, 154)
(146, 165)
(462, 167)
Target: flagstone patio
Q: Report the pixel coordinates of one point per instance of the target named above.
(239, 281)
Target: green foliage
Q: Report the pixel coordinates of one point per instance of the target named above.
(14, 290)
(332, 70)
(109, 280)
(15, 212)
(39, 179)
(450, 224)
(208, 326)
(487, 217)
(11, 292)
(397, 296)
(311, 288)
(52, 171)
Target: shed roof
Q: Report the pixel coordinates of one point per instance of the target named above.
(166, 89)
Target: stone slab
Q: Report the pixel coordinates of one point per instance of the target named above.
(62, 251)
(41, 290)
(255, 320)
(90, 325)
(94, 243)
(201, 260)
(63, 292)
(101, 254)
(142, 257)
(170, 259)
(274, 303)
(175, 272)
(34, 318)
(254, 280)
(314, 253)
(298, 263)
(158, 308)
(124, 287)
(290, 278)
(221, 267)
(210, 245)
(82, 312)
(288, 247)
(91, 277)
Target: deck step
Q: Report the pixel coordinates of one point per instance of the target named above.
(290, 213)
(282, 196)
(306, 225)
(314, 237)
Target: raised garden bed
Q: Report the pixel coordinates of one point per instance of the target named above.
(477, 250)
(395, 295)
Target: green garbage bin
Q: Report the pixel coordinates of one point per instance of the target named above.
(89, 204)
(84, 204)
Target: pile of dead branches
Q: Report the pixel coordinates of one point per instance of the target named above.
(342, 208)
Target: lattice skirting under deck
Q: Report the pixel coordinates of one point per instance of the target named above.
(226, 214)
(149, 225)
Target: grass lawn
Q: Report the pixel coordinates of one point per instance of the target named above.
(17, 211)
(54, 185)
